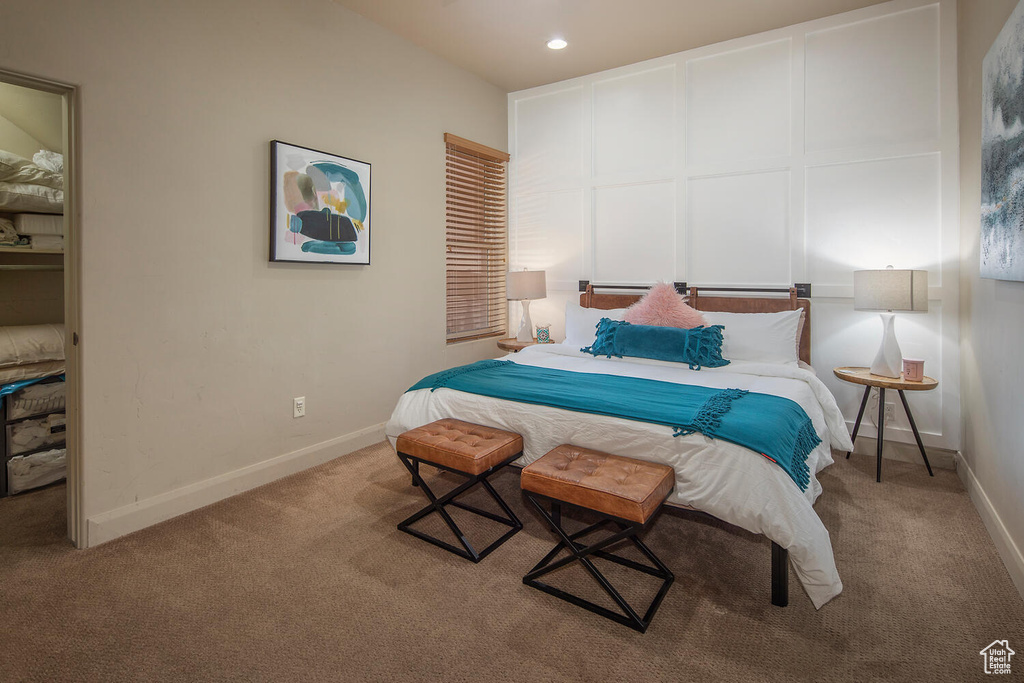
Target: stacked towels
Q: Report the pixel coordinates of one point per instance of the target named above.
(45, 230)
(29, 351)
(39, 469)
(28, 435)
(9, 236)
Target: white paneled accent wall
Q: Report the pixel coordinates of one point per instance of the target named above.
(797, 155)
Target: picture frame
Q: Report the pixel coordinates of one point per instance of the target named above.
(319, 206)
(1001, 245)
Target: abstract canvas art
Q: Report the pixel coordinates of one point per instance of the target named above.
(1002, 153)
(320, 206)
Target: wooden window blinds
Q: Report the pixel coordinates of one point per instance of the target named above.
(476, 228)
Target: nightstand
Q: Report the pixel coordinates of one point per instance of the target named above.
(514, 345)
(857, 375)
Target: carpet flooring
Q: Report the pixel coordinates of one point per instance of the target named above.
(307, 579)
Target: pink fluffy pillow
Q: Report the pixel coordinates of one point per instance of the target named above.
(663, 307)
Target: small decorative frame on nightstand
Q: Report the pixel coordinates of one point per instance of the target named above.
(858, 375)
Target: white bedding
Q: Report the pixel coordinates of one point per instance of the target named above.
(28, 344)
(39, 224)
(24, 197)
(715, 476)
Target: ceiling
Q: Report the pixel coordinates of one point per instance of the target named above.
(38, 113)
(503, 41)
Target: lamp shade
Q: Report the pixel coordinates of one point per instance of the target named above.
(890, 290)
(525, 285)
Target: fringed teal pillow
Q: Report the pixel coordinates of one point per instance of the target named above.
(699, 347)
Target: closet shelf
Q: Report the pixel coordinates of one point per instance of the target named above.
(7, 266)
(23, 250)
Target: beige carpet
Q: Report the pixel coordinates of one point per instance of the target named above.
(307, 579)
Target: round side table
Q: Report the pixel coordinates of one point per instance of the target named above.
(514, 345)
(858, 375)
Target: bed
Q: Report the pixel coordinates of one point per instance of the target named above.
(723, 479)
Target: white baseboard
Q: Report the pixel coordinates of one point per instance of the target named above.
(1007, 547)
(940, 458)
(124, 520)
(900, 445)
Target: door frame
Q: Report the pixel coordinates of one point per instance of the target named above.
(71, 98)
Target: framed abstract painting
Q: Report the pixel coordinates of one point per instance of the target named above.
(1002, 153)
(319, 206)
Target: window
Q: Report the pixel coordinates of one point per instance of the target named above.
(476, 229)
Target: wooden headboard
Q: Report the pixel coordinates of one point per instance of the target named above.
(593, 297)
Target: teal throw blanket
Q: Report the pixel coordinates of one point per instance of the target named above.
(773, 426)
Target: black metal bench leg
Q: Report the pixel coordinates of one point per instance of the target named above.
(860, 414)
(917, 435)
(582, 554)
(780, 575)
(438, 505)
(656, 603)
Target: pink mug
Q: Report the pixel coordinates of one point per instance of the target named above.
(913, 370)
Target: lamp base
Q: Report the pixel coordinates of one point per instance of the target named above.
(526, 325)
(889, 360)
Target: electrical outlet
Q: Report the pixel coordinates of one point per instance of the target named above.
(299, 406)
(890, 412)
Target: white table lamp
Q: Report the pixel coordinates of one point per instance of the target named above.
(889, 290)
(524, 286)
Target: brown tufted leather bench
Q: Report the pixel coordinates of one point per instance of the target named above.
(473, 451)
(626, 492)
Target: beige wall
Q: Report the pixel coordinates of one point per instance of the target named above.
(992, 320)
(30, 120)
(16, 141)
(193, 344)
(30, 298)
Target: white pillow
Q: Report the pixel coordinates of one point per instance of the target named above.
(15, 169)
(759, 337)
(581, 323)
(26, 344)
(24, 197)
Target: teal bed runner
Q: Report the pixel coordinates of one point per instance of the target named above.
(773, 426)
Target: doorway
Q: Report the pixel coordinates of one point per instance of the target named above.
(39, 274)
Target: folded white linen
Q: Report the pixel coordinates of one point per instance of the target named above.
(15, 373)
(48, 242)
(26, 197)
(28, 435)
(28, 344)
(36, 399)
(30, 471)
(39, 224)
(8, 233)
(715, 476)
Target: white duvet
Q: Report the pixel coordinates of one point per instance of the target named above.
(723, 479)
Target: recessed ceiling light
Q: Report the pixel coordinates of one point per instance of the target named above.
(557, 43)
